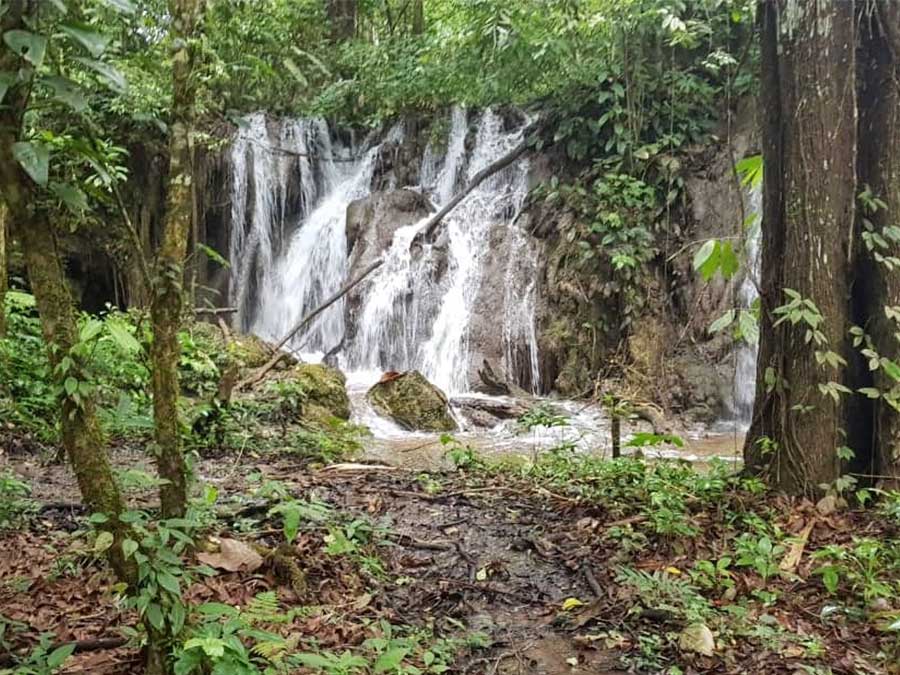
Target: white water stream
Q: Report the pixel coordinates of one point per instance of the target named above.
(292, 183)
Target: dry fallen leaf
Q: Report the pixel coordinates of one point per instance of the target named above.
(795, 552)
(697, 638)
(233, 556)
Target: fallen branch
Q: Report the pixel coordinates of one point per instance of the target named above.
(305, 321)
(428, 230)
(215, 311)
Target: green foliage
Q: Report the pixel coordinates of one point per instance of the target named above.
(26, 395)
(156, 548)
(866, 570)
(542, 415)
(43, 659)
(14, 502)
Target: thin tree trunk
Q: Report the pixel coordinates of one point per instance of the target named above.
(809, 147)
(3, 270)
(167, 303)
(879, 168)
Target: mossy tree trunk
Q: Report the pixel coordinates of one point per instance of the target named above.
(809, 149)
(26, 211)
(167, 303)
(879, 169)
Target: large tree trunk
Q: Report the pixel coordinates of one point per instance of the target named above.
(879, 168)
(418, 17)
(81, 434)
(342, 16)
(809, 148)
(167, 304)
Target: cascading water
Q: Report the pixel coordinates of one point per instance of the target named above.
(416, 310)
(744, 384)
(264, 172)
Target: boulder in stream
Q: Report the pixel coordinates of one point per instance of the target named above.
(412, 402)
(324, 392)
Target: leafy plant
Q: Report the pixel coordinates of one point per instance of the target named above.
(14, 502)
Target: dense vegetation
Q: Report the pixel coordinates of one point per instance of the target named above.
(267, 566)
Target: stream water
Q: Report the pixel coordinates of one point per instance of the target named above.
(286, 261)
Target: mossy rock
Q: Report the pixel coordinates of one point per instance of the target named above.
(324, 391)
(412, 402)
(250, 351)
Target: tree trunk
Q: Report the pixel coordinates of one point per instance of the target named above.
(809, 149)
(342, 16)
(879, 168)
(166, 307)
(3, 270)
(81, 435)
(418, 17)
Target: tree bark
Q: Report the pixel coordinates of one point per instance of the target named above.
(166, 307)
(342, 16)
(81, 435)
(418, 17)
(809, 149)
(879, 168)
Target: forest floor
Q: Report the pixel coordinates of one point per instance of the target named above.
(466, 571)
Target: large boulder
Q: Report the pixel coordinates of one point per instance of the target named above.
(324, 392)
(412, 402)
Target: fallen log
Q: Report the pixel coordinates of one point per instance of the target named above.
(305, 321)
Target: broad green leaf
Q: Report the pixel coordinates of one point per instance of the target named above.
(68, 92)
(390, 660)
(90, 329)
(177, 616)
(58, 656)
(706, 260)
(129, 546)
(28, 45)
(155, 616)
(122, 336)
(103, 542)
(34, 158)
(722, 322)
(73, 198)
(96, 43)
(114, 79)
(168, 581)
(891, 368)
(70, 385)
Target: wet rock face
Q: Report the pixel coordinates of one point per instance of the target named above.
(372, 221)
(412, 402)
(325, 392)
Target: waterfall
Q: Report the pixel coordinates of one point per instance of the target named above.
(744, 385)
(263, 169)
(417, 310)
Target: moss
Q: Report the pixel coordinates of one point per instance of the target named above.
(412, 402)
(324, 392)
